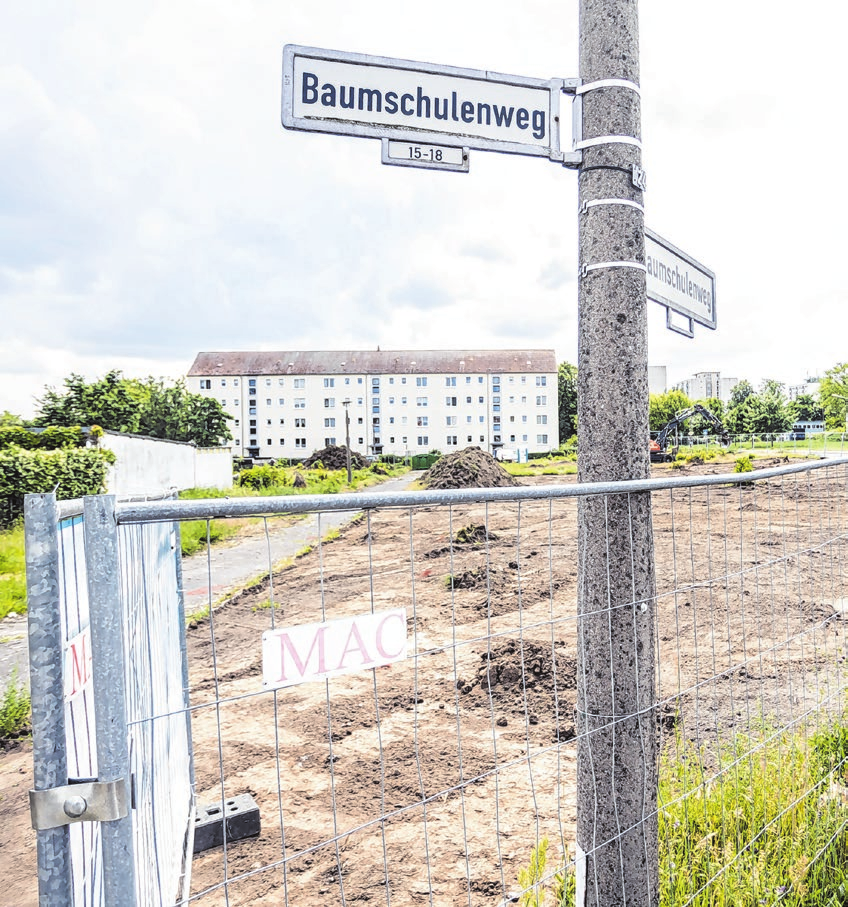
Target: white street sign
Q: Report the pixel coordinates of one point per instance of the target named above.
(680, 283)
(422, 103)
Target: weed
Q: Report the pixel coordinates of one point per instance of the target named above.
(14, 711)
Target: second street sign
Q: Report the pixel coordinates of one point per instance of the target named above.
(379, 97)
(680, 283)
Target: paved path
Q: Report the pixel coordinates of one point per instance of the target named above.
(233, 565)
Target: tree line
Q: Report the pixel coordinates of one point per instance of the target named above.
(766, 410)
(149, 406)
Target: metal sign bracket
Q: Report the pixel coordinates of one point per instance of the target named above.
(81, 801)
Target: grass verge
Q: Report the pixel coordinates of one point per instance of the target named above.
(12, 572)
(767, 825)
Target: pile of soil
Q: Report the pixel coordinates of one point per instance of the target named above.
(469, 468)
(334, 457)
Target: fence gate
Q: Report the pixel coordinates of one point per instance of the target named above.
(112, 803)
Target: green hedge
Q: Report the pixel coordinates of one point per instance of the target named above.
(73, 472)
(53, 438)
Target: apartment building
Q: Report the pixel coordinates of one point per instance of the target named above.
(290, 404)
(703, 385)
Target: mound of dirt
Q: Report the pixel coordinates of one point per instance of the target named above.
(334, 457)
(469, 468)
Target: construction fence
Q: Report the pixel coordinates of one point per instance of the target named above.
(390, 714)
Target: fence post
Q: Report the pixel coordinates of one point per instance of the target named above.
(46, 684)
(109, 681)
(617, 850)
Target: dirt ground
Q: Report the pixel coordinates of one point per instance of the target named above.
(435, 776)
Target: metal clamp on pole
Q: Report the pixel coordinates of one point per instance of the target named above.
(608, 83)
(85, 801)
(595, 202)
(612, 264)
(608, 140)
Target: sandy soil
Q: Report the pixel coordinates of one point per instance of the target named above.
(395, 768)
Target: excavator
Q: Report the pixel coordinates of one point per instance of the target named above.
(659, 448)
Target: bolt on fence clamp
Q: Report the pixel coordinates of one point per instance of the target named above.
(612, 264)
(83, 801)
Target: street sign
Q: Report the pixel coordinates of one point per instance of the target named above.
(425, 104)
(418, 154)
(680, 283)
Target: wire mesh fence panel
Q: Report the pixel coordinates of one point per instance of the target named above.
(398, 694)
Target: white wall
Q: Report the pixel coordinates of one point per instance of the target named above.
(150, 466)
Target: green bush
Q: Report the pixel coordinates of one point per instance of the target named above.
(743, 464)
(52, 438)
(71, 472)
(14, 711)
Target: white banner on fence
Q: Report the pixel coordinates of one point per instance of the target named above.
(293, 655)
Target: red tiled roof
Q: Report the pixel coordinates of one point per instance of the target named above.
(371, 362)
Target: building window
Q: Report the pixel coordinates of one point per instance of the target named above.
(403, 401)
(512, 418)
(300, 442)
(359, 421)
(391, 380)
(496, 407)
(251, 382)
(329, 442)
(512, 439)
(237, 442)
(468, 381)
(282, 421)
(392, 440)
(524, 418)
(252, 410)
(541, 420)
(223, 382)
(423, 421)
(360, 440)
(541, 380)
(403, 440)
(541, 439)
(267, 401)
(237, 423)
(524, 437)
(329, 402)
(282, 442)
(450, 420)
(403, 420)
(375, 407)
(235, 382)
(496, 399)
(421, 382)
(235, 403)
(375, 420)
(391, 401)
(330, 423)
(206, 384)
(300, 423)
(451, 439)
(281, 401)
(482, 439)
(482, 419)
(541, 400)
(420, 401)
(300, 402)
(252, 401)
(268, 442)
(423, 440)
(329, 382)
(450, 401)
(497, 439)
(469, 439)
(267, 421)
(347, 380)
(450, 382)
(282, 381)
(480, 400)
(300, 382)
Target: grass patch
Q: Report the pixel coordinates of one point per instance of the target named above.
(766, 825)
(14, 711)
(12, 572)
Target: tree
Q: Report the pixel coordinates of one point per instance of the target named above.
(833, 395)
(805, 408)
(9, 420)
(740, 393)
(664, 407)
(567, 400)
(698, 424)
(149, 407)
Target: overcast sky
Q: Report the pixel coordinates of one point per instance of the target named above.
(152, 206)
